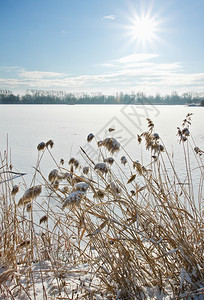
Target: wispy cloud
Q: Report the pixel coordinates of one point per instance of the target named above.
(110, 17)
(129, 60)
(40, 75)
(135, 58)
(136, 72)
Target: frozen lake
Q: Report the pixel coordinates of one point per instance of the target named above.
(69, 125)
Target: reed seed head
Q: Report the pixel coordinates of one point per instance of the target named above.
(198, 151)
(71, 161)
(161, 148)
(15, 190)
(85, 170)
(101, 167)
(30, 194)
(150, 124)
(41, 146)
(68, 176)
(62, 161)
(138, 167)
(5, 276)
(111, 144)
(187, 120)
(113, 188)
(123, 160)
(183, 138)
(185, 131)
(29, 207)
(74, 162)
(139, 138)
(43, 219)
(99, 194)
(53, 175)
(100, 143)
(182, 135)
(155, 136)
(90, 137)
(111, 129)
(149, 141)
(50, 143)
(76, 180)
(55, 184)
(64, 189)
(109, 160)
(81, 186)
(73, 199)
(132, 177)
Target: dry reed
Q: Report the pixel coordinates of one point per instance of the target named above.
(138, 229)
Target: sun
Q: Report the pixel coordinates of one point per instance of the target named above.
(144, 29)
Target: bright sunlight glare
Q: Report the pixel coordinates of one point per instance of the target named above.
(144, 28)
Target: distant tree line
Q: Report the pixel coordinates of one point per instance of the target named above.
(60, 97)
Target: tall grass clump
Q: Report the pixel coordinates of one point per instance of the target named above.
(33, 255)
(131, 230)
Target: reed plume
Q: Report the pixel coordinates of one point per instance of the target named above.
(41, 146)
(90, 137)
(15, 190)
(30, 194)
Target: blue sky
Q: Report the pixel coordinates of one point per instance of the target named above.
(103, 46)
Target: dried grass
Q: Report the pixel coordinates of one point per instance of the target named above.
(138, 230)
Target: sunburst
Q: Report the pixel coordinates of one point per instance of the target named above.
(144, 27)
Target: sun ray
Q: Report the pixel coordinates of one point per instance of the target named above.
(144, 27)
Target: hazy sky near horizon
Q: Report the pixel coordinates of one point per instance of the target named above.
(103, 46)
